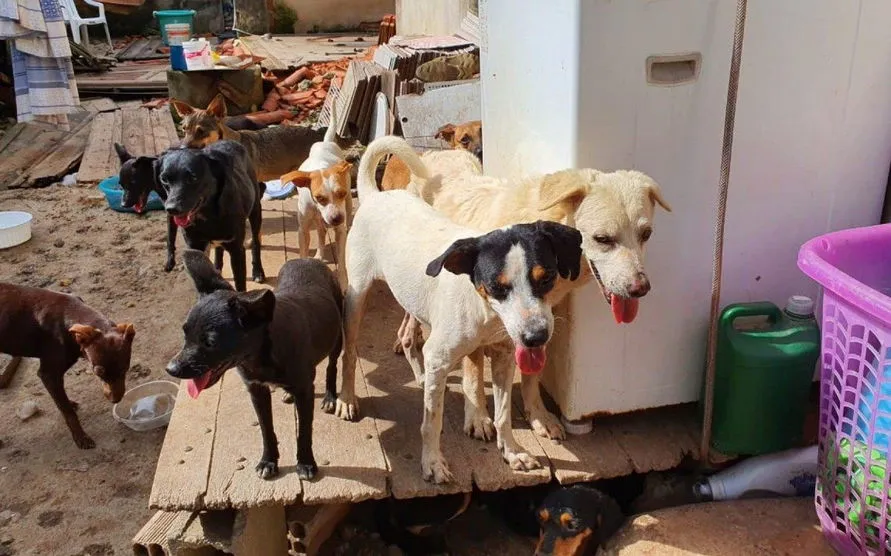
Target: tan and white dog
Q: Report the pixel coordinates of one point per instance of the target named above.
(613, 211)
(324, 199)
(495, 295)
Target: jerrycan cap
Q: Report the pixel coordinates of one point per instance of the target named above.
(800, 306)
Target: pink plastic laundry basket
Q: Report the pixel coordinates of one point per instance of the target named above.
(853, 497)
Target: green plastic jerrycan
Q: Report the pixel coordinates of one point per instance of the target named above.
(763, 376)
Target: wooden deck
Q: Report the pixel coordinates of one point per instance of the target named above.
(213, 443)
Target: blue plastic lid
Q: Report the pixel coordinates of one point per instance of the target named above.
(173, 13)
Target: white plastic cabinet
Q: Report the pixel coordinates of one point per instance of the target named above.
(642, 84)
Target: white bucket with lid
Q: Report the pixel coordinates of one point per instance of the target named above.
(178, 33)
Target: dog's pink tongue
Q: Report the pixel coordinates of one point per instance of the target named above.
(182, 220)
(624, 308)
(530, 360)
(139, 207)
(195, 385)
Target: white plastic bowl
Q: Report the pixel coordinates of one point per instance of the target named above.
(15, 228)
(147, 406)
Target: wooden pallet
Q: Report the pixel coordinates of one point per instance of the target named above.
(143, 131)
(212, 443)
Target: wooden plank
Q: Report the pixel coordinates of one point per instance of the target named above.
(184, 462)
(96, 105)
(8, 367)
(137, 136)
(589, 457)
(395, 402)
(233, 480)
(94, 165)
(61, 160)
(166, 120)
(658, 439)
(31, 145)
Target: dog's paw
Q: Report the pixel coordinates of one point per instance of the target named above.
(168, 266)
(546, 424)
(84, 442)
(74, 405)
(329, 402)
(521, 461)
(348, 410)
(436, 469)
(307, 471)
(259, 276)
(397, 347)
(287, 397)
(479, 425)
(267, 469)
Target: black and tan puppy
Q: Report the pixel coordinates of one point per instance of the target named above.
(575, 521)
(58, 329)
(210, 193)
(272, 338)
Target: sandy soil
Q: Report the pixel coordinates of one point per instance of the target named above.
(86, 502)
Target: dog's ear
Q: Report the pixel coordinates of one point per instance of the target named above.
(84, 334)
(342, 167)
(128, 331)
(656, 196)
(206, 278)
(566, 187)
(217, 107)
(298, 177)
(181, 108)
(145, 163)
(567, 245)
(254, 308)
(446, 133)
(459, 258)
(123, 154)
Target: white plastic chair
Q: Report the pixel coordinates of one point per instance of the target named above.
(79, 24)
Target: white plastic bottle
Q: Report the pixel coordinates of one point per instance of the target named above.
(788, 473)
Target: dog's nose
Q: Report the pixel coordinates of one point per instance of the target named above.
(337, 220)
(172, 209)
(534, 338)
(478, 153)
(174, 369)
(640, 286)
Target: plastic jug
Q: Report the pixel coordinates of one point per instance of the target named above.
(763, 376)
(789, 473)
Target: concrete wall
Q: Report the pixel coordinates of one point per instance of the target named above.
(323, 15)
(430, 17)
(208, 19)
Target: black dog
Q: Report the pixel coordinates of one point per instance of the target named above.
(575, 521)
(210, 193)
(138, 178)
(274, 339)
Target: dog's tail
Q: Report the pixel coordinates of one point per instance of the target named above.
(331, 132)
(376, 151)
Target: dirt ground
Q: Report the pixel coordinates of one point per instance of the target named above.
(74, 502)
(69, 501)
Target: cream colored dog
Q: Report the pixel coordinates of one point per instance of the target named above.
(612, 210)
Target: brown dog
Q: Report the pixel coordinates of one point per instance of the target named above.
(467, 136)
(58, 329)
(275, 151)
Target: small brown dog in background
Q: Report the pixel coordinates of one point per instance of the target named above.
(467, 136)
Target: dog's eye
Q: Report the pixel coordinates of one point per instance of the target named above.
(605, 240)
(498, 291)
(645, 234)
(465, 140)
(340, 194)
(208, 341)
(322, 200)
